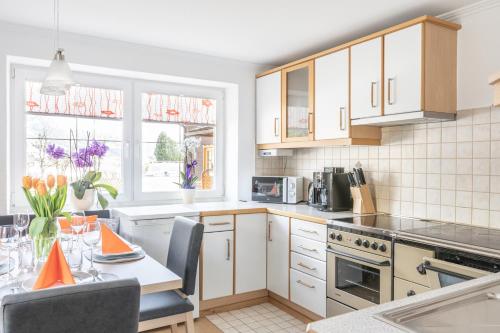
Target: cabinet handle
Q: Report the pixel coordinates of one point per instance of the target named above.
(308, 249)
(411, 293)
(310, 123)
(306, 267)
(308, 231)
(269, 231)
(276, 128)
(374, 105)
(305, 284)
(390, 101)
(343, 116)
(228, 257)
(219, 223)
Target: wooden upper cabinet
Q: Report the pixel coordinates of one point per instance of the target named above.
(268, 105)
(366, 79)
(297, 102)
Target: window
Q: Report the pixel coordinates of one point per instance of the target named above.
(157, 117)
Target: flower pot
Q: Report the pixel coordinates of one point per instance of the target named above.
(188, 195)
(85, 203)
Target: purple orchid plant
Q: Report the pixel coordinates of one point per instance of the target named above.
(188, 176)
(85, 167)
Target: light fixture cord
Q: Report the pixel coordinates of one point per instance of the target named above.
(56, 25)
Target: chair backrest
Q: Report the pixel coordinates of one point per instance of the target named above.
(6, 219)
(184, 250)
(111, 307)
(102, 214)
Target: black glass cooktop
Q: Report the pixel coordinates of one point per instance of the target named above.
(457, 233)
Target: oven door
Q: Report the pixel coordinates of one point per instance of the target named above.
(441, 273)
(269, 189)
(356, 278)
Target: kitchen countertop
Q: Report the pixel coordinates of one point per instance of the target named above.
(363, 320)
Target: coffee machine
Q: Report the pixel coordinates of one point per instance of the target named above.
(329, 190)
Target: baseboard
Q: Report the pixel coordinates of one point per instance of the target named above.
(308, 314)
(233, 300)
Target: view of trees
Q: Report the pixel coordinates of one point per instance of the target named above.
(166, 149)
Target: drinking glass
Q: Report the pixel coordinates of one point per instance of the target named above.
(78, 221)
(26, 258)
(21, 222)
(91, 237)
(72, 253)
(8, 241)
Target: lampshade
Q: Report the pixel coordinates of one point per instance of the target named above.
(59, 77)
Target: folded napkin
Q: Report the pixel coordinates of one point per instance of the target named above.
(112, 243)
(55, 271)
(66, 226)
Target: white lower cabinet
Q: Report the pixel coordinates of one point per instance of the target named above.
(308, 292)
(250, 256)
(277, 254)
(217, 264)
(308, 265)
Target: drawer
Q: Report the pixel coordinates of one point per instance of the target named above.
(308, 292)
(309, 247)
(403, 288)
(406, 260)
(314, 231)
(218, 223)
(308, 265)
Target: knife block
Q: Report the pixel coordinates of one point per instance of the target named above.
(362, 200)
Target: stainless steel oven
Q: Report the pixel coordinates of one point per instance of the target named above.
(442, 273)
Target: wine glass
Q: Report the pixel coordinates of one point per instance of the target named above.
(21, 223)
(78, 221)
(92, 237)
(8, 240)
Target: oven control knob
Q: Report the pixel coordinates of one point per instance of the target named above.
(374, 245)
(339, 237)
(358, 242)
(382, 248)
(332, 236)
(366, 243)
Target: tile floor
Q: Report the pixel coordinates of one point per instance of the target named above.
(261, 318)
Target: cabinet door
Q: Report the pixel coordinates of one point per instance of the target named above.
(217, 264)
(331, 96)
(297, 84)
(268, 102)
(403, 70)
(277, 254)
(366, 79)
(250, 258)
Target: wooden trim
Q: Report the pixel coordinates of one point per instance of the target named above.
(159, 287)
(277, 298)
(403, 25)
(234, 255)
(381, 96)
(289, 256)
(233, 212)
(296, 216)
(324, 143)
(201, 265)
(165, 321)
(222, 301)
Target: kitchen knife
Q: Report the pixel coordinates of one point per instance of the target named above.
(350, 179)
(356, 177)
(361, 175)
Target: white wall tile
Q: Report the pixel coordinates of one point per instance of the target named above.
(448, 197)
(448, 182)
(464, 149)
(481, 116)
(481, 183)
(449, 134)
(448, 213)
(463, 199)
(463, 215)
(481, 132)
(464, 133)
(480, 217)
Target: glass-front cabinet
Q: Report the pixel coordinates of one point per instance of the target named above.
(298, 102)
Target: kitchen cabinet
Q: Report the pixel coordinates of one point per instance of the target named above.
(406, 260)
(268, 106)
(366, 79)
(297, 97)
(250, 252)
(308, 292)
(403, 288)
(278, 230)
(217, 264)
(331, 96)
(403, 70)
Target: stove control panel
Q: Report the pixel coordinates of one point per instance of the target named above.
(361, 242)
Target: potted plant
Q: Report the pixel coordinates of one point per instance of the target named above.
(85, 169)
(47, 200)
(188, 176)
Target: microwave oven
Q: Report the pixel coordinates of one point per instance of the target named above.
(277, 189)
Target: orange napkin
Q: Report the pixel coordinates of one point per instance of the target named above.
(55, 271)
(66, 226)
(111, 242)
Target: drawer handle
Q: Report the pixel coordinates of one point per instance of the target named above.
(306, 284)
(307, 267)
(219, 223)
(309, 231)
(308, 249)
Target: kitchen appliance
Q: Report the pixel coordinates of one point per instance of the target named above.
(329, 191)
(275, 152)
(359, 268)
(277, 189)
(415, 117)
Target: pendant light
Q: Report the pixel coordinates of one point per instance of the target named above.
(59, 77)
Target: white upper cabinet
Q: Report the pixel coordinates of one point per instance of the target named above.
(268, 122)
(332, 96)
(366, 79)
(403, 70)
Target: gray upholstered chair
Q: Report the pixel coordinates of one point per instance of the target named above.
(173, 307)
(111, 307)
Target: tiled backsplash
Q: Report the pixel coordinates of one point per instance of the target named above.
(447, 171)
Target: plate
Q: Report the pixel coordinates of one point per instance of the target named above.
(115, 258)
(79, 276)
(135, 249)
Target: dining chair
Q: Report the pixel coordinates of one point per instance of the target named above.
(111, 307)
(170, 308)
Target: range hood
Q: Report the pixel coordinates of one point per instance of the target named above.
(407, 118)
(275, 152)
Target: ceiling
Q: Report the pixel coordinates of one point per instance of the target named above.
(258, 31)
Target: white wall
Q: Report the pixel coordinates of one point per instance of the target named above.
(24, 41)
(478, 52)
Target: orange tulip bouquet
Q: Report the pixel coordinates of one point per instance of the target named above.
(47, 199)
